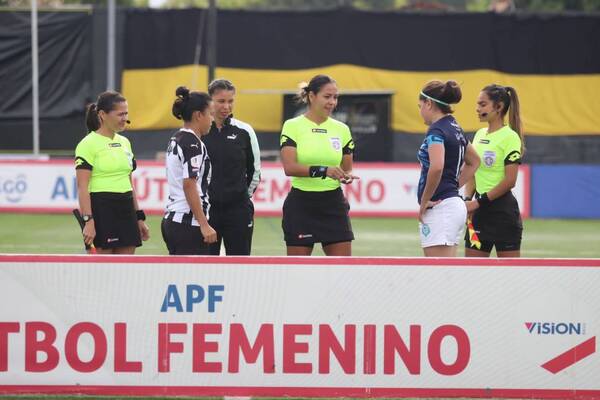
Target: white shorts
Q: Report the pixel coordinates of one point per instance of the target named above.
(444, 224)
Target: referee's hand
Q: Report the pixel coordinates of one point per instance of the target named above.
(144, 230)
(209, 234)
(336, 173)
(349, 178)
(89, 232)
(472, 205)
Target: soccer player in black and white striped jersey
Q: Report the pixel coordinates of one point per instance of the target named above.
(185, 227)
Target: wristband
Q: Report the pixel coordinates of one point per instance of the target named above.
(467, 198)
(141, 215)
(483, 200)
(317, 171)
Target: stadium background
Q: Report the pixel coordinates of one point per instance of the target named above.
(380, 60)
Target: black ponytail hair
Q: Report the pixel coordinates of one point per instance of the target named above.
(187, 102)
(106, 102)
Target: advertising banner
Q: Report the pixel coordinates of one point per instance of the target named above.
(260, 326)
(384, 189)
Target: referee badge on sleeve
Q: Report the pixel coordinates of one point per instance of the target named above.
(195, 161)
(336, 143)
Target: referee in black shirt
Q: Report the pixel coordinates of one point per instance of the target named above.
(185, 227)
(235, 157)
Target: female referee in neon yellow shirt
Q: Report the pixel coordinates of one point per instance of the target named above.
(496, 219)
(104, 163)
(316, 151)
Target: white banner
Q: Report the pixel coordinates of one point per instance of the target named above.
(299, 326)
(384, 189)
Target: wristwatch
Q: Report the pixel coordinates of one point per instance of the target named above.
(87, 218)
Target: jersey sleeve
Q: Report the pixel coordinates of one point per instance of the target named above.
(253, 160)
(434, 136)
(133, 161)
(84, 156)
(348, 143)
(512, 149)
(288, 135)
(193, 156)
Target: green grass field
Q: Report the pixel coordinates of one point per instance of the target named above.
(59, 234)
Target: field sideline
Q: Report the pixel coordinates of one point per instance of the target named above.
(544, 238)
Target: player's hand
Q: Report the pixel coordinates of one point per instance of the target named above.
(427, 206)
(472, 205)
(144, 230)
(209, 234)
(89, 232)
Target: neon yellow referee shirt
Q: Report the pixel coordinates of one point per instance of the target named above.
(496, 150)
(323, 144)
(110, 160)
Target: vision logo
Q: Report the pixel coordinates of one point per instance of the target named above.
(555, 328)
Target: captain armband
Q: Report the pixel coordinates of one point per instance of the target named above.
(317, 171)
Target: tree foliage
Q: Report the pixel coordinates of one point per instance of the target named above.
(61, 3)
(305, 5)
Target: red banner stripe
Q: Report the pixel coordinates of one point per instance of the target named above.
(571, 356)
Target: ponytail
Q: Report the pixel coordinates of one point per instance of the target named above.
(514, 116)
(182, 96)
(91, 118)
(186, 102)
(302, 93)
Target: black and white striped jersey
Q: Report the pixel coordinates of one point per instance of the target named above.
(186, 158)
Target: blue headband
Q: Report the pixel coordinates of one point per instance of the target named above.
(436, 100)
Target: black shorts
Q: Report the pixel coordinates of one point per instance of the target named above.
(498, 225)
(183, 239)
(316, 217)
(487, 246)
(500, 221)
(115, 220)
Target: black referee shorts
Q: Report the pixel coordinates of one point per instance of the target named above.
(183, 239)
(498, 225)
(115, 220)
(316, 217)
